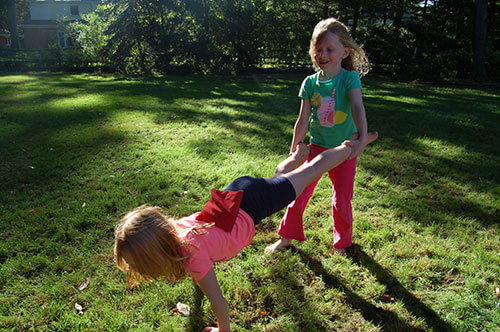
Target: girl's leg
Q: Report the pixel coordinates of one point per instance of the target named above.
(342, 178)
(308, 173)
(291, 226)
(322, 163)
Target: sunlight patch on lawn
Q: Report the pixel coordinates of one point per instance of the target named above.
(89, 101)
(435, 145)
(18, 79)
(220, 101)
(405, 100)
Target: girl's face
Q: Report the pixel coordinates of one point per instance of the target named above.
(329, 54)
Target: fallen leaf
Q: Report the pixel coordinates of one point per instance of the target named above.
(79, 308)
(33, 211)
(387, 298)
(262, 313)
(244, 296)
(83, 205)
(84, 284)
(31, 167)
(183, 309)
(497, 291)
(175, 310)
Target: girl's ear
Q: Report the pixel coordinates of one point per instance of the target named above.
(347, 51)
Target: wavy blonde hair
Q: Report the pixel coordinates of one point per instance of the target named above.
(356, 60)
(152, 241)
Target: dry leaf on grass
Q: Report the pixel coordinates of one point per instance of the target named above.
(183, 309)
(387, 298)
(84, 284)
(33, 211)
(79, 308)
(244, 296)
(262, 313)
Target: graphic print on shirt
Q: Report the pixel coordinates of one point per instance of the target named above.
(326, 111)
(327, 115)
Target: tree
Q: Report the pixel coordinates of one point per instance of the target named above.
(14, 36)
(480, 38)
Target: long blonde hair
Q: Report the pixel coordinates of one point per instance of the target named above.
(152, 241)
(356, 60)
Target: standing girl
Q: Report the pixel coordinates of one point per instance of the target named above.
(332, 109)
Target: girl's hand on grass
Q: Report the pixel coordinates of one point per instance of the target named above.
(211, 329)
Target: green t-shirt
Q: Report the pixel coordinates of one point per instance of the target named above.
(331, 120)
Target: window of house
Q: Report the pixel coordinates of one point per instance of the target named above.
(62, 41)
(74, 10)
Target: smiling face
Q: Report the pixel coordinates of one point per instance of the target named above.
(329, 53)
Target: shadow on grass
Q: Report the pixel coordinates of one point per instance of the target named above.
(387, 320)
(288, 298)
(196, 321)
(398, 291)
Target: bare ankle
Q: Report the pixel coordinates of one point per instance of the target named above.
(280, 244)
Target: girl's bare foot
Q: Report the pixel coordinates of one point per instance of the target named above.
(336, 251)
(280, 244)
(294, 160)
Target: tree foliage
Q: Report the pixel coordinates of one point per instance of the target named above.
(401, 37)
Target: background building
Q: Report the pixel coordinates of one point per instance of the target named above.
(44, 26)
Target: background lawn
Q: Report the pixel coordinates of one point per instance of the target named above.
(78, 151)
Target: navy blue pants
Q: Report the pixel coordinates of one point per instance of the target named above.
(263, 196)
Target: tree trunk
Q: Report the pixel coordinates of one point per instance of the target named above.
(355, 20)
(479, 42)
(398, 14)
(14, 36)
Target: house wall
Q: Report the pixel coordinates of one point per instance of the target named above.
(41, 30)
(39, 38)
(4, 42)
(56, 10)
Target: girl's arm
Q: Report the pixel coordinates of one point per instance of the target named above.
(302, 124)
(210, 286)
(359, 117)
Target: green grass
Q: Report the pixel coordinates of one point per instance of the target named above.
(78, 151)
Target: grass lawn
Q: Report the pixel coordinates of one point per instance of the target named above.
(78, 151)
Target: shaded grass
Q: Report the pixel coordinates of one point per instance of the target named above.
(78, 151)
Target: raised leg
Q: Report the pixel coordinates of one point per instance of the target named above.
(307, 173)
